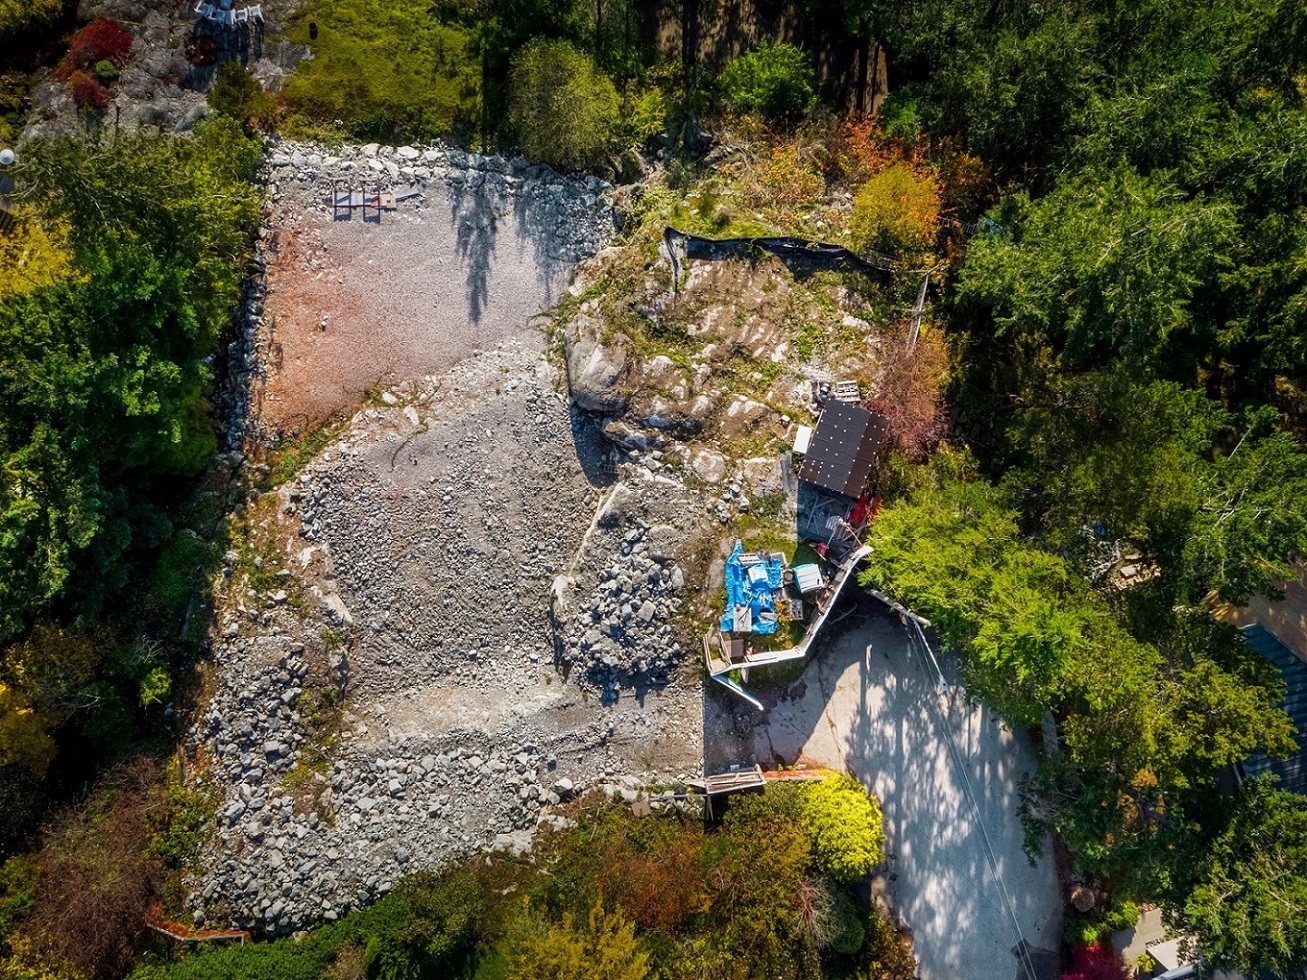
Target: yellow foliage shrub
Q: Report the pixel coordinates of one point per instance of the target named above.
(897, 211)
(31, 255)
(786, 185)
(17, 16)
(28, 959)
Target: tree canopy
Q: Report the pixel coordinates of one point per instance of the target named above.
(103, 371)
(563, 109)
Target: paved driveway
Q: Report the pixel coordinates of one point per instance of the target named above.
(946, 773)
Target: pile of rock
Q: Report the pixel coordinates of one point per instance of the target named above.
(622, 636)
(254, 722)
(614, 610)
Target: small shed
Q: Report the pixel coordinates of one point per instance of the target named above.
(843, 448)
(802, 440)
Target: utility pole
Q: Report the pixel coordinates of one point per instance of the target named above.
(915, 329)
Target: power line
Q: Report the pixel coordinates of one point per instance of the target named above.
(1022, 945)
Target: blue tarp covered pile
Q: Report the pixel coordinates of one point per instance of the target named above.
(751, 577)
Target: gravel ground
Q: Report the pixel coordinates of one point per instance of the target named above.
(421, 551)
(484, 245)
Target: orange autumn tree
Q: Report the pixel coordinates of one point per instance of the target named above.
(897, 211)
(899, 198)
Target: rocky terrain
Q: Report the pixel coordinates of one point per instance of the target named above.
(163, 86)
(482, 598)
(387, 698)
(719, 366)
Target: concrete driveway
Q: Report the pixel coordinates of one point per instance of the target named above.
(946, 772)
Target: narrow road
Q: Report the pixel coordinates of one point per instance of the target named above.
(947, 774)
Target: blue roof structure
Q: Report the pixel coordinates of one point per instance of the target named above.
(751, 578)
(1293, 770)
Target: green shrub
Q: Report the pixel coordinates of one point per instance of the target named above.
(563, 109)
(852, 927)
(845, 824)
(177, 576)
(1123, 916)
(179, 827)
(106, 71)
(1078, 932)
(643, 117)
(239, 94)
(425, 927)
(775, 81)
(20, 16)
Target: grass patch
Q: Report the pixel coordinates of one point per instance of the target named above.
(292, 455)
(386, 69)
(184, 822)
(323, 709)
(180, 574)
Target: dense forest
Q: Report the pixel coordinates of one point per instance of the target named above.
(1128, 370)
(1112, 198)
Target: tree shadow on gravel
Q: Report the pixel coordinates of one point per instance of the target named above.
(478, 202)
(476, 224)
(537, 225)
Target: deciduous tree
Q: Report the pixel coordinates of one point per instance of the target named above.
(1248, 904)
(563, 109)
(603, 946)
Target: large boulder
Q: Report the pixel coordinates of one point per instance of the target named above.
(595, 367)
(708, 466)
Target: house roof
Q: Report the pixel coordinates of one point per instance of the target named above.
(1293, 770)
(843, 448)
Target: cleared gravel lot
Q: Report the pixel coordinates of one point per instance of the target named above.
(396, 687)
(483, 247)
(420, 552)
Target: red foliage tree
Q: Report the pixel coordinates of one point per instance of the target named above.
(858, 149)
(1097, 962)
(910, 392)
(88, 92)
(102, 39)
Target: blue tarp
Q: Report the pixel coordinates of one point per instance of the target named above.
(750, 581)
